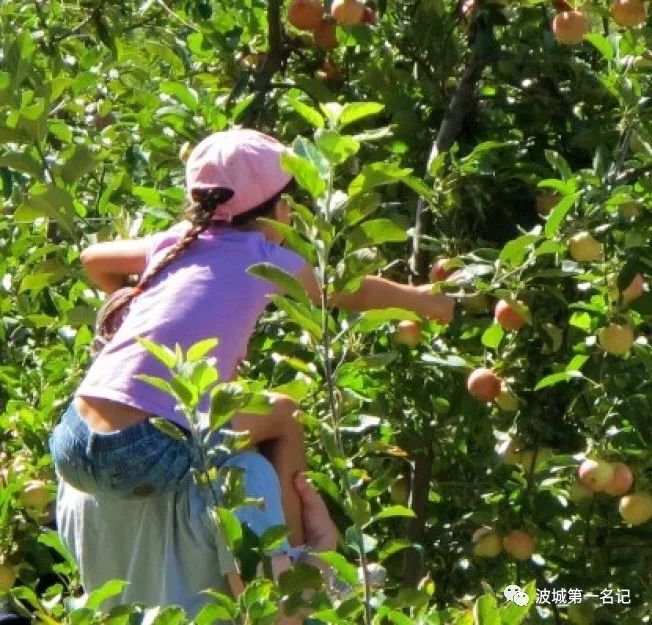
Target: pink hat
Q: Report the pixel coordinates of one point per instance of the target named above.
(246, 161)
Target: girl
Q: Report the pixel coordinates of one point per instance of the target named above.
(194, 285)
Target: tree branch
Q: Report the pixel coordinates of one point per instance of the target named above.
(449, 129)
(272, 64)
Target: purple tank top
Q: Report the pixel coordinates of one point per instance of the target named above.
(205, 293)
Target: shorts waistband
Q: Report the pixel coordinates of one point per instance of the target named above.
(107, 441)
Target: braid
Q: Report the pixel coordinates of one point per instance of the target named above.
(113, 311)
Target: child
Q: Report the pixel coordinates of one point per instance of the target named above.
(194, 285)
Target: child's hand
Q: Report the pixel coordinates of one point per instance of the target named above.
(438, 306)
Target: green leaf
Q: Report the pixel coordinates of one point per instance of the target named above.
(307, 149)
(336, 147)
(375, 232)
(513, 614)
(355, 539)
(515, 251)
(184, 94)
(305, 172)
(300, 314)
(361, 206)
(354, 111)
(273, 538)
(311, 115)
(223, 608)
(293, 240)
(226, 399)
(12, 135)
(107, 590)
(601, 44)
(492, 336)
(55, 203)
(286, 281)
(164, 615)
(162, 353)
(377, 174)
(393, 546)
(485, 611)
(203, 376)
(345, 570)
(392, 512)
(51, 538)
(580, 320)
(558, 214)
(577, 362)
(24, 163)
(158, 383)
(200, 349)
(184, 391)
(168, 428)
(230, 526)
(556, 378)
(559, 164)
(36, 282)
(372, 319)
(332, 111)
(81, 162)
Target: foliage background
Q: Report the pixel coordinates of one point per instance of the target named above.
(482, 104)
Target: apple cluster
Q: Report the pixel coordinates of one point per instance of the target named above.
(615, 479)
(569, 27)
(309, 15)
(489, 543)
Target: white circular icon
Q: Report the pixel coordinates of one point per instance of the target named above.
(510, 591)
(521, 599)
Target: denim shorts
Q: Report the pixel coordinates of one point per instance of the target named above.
(135, 462)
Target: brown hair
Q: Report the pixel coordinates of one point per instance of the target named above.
(200, 214)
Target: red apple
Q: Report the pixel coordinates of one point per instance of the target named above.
(636, 508)
(305, 14)
(325, 35)
(570, 27)
(347, 12)
(507, 316)
(628, 13)
(487, 542)
(408, 333)
(369, 16)
(584, 248)
(616, 339)
(634, 290)
(438, 271)
(595, 474)
(519, 544)
(484, 384)
(546, 201)
(621, 482)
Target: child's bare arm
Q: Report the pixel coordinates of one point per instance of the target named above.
(107, 264)
(376, 292)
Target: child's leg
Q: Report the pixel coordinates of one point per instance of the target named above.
(281, 436)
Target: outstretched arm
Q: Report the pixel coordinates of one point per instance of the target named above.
(376, 292)
(108, 264)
